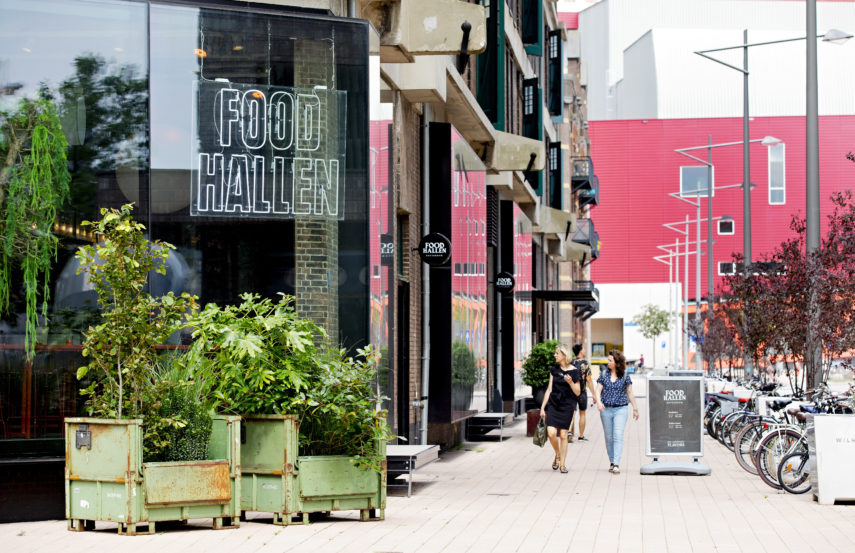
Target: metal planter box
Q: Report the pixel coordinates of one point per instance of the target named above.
(278, 480)
(831, 442)
(106, 480)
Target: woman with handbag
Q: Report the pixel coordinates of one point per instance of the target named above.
(614, 388)
(559, 403)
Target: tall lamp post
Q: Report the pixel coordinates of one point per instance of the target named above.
(834, 36)
(710, 187)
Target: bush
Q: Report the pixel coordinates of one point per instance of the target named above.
(179, 426)
(535, 369)
(265, 360)
(463, 368)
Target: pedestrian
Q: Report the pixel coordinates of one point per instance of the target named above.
(559, 403)
(585, 383)
(614, 388)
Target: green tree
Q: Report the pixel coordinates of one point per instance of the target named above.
(121, 349)
(652, 321)
(34, 181)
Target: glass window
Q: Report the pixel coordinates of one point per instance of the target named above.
(89, 58)
(726, 268)
(469, 303)
(726, 226)
(126, 79)
(693, 181)
(777, 177)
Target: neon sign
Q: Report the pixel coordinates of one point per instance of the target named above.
(268, 152)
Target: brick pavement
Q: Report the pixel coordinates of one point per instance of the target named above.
(504, 497)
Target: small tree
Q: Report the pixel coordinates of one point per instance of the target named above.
(652, 321)
(121, 349)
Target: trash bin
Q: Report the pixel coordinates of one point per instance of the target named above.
(532, 416)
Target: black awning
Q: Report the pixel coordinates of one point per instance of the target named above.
(576, 296)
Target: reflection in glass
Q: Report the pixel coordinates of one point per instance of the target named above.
(522, 308)
(469, 284)
(90, 59)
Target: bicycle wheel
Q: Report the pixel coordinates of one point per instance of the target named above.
(713, 416)
(734, 425)
(726, 424)
(743, 443)
(773, 446)
(794, 472)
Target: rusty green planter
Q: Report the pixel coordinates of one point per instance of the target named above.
(106, 480)
(279, 481)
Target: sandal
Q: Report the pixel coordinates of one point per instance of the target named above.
(555, 463)
(564, 470)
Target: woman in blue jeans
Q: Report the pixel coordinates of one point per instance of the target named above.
(614, 388)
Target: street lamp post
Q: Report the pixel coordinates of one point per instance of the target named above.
(833, 35)
(710, 187)
(675, 226)
(812, 150)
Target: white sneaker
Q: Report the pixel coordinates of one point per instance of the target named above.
(616, 470)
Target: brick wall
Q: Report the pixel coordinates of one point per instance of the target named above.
(407, 178)
(316, 239)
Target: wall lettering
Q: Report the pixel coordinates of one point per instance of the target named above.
(268, 152)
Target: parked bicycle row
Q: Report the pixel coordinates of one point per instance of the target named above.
(768, 433)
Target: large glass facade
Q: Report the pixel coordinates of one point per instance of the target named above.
(522, 308)
(138, 85)
(469, 280)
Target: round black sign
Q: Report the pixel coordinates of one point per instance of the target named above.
(435, 249)
(504, 282)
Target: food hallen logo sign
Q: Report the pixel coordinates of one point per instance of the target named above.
(435, 249)
(268, 152)
(504, 282)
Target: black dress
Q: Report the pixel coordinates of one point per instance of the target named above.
(562, 400)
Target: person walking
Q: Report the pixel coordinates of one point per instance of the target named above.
(585, 384)
(559, 403)
(614, 388)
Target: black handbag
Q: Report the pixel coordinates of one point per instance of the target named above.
(540, 433)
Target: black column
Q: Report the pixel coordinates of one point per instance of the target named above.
(506, 301)
(439, 159)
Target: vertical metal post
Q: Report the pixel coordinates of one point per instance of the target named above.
(746, 159)
(698, 360)
(812, 239)
(710, 273)
(686, 301)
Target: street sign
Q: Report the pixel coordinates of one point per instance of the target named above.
(675, 416)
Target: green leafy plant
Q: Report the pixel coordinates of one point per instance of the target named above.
(265, 360)
(338, 414)
(652, 321)
(464, 370)
(34, 181)
(178, 424)
(122, 348)
(536, 366)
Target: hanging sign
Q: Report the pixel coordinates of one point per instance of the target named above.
(435, 249)
(505, 282)
(268, 152)
(387, 250)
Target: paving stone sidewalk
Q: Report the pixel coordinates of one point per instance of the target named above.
(493, 496)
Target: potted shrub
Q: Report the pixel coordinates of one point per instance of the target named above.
(314, 440)
(150, 451)
(464, 374)
(535, 369)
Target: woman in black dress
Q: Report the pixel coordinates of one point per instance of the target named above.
(559, 403)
